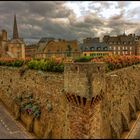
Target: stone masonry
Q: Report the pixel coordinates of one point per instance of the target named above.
(84, 102)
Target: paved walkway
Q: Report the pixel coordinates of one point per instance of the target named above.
(135, 131)
(10, 128)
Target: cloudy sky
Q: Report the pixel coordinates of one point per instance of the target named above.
(70, 19)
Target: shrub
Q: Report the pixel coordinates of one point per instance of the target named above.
(84, 59)
(116, 62)
(46, 65)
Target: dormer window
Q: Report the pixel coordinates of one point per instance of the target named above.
(86, 49)
(92, 48)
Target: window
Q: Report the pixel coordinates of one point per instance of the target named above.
(114, 48)
(130, 48)
(118, 52)
(118, 48)
(48, 51)
(92, 48)
(86, 48)
(123, 48)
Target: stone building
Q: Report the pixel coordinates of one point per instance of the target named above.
(3, 42)
(16, 46)
(91, 40)
(93, 47)
(138, 48)
(30, 50)
(48, 47)
(122, 44)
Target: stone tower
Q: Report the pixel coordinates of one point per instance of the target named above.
(4, 35)
(15, 29)
(84, 97)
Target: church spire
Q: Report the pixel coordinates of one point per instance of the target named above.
(15, 29)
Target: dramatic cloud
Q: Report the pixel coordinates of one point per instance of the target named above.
(70, 20)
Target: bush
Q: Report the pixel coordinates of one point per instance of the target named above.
(84, 59)
(50, 65)
(46, 65)
(116, 62)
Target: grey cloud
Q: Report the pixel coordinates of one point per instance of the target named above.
(36, 19)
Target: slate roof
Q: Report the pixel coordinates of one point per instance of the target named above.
(97, 46)
(46, 39)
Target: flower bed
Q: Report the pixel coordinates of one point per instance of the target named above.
(13, 62)
(50, 65)
(46, 65)
(57, 64)
(117, 62)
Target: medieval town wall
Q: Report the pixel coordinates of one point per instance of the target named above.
(84, 102)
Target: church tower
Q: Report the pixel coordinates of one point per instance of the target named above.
(15, 29)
